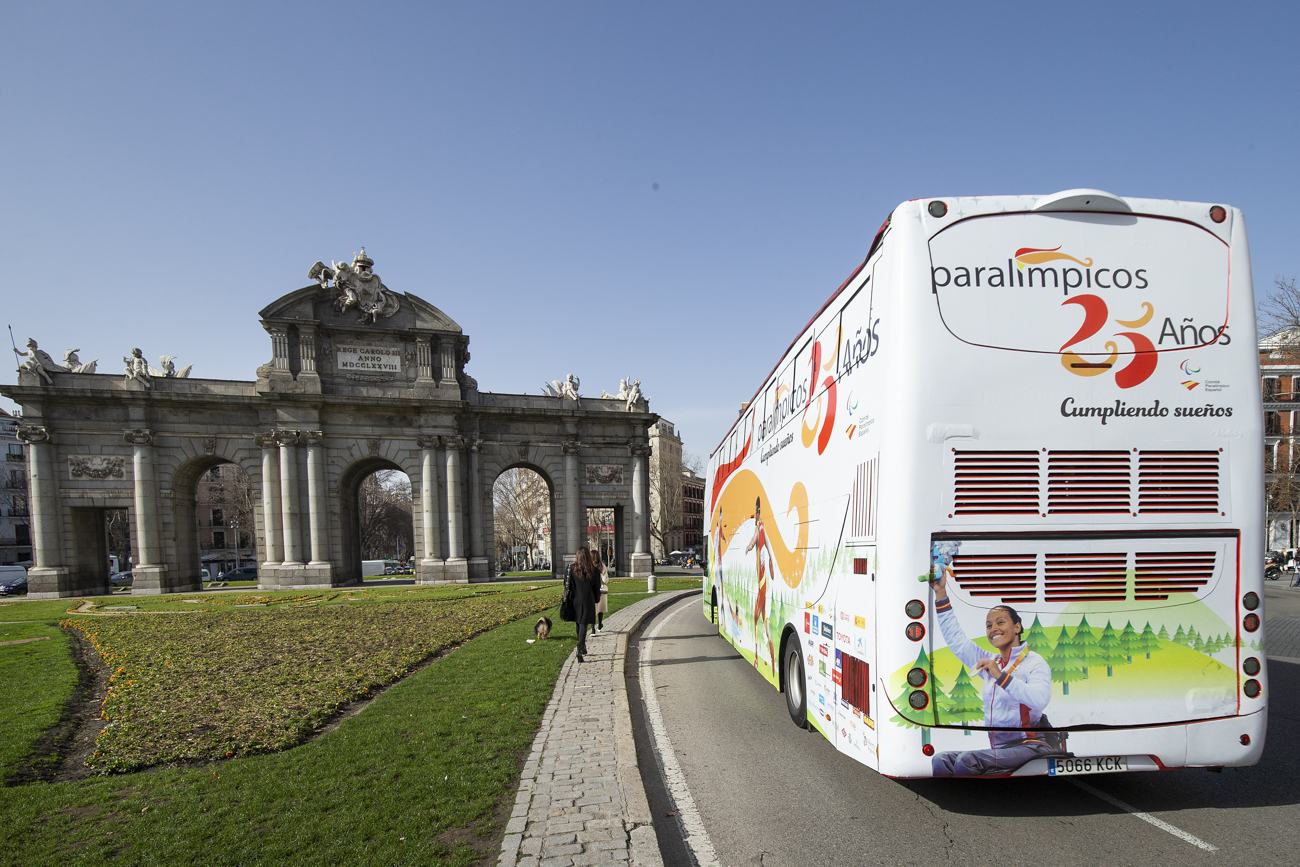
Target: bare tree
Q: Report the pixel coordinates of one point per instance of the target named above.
(1278, 316)
(387, 517)
(521, 510)
(694, 462)
(231, 489)
(666, 503)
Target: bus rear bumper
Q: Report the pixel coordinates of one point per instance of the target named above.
(1228, 742)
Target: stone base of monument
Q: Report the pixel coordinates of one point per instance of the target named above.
(157, 580)
(478, 569)
(59, 582)
(456, 571)
(643, 566)
(430, 572)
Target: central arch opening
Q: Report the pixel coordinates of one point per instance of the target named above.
(521, 522)
(377, 520)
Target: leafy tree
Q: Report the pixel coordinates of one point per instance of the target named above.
(1148, 640)
(965, 704)
(1085, 645)
(1037, 639)
(1109, 651)
(1065, 662)
(1130, 641)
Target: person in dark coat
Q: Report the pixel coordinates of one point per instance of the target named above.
(585, 584)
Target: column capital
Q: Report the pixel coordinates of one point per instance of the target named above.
(638, 450)
(571, 446)
(264, 439)
(312, 437)
(286, 437)
(474, 444)
(33, 433)
(457, 443)
(426, 441)
(140, 436)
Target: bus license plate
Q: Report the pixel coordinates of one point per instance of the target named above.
(1087, 765)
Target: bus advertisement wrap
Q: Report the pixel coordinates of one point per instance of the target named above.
(996, 509)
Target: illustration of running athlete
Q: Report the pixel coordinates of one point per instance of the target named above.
(761, 543)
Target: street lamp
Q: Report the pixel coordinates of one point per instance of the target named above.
(234, 530)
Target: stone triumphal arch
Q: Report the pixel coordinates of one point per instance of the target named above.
(360, 378)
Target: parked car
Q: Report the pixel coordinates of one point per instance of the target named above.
(121, 579)
(13, 580)
(243, 573)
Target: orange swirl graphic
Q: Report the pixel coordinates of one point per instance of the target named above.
(735, 506)
(1033, 256)
(1080, 366)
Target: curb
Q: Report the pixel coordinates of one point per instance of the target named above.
(565, 810)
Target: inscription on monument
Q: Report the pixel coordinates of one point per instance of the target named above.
(368, 359)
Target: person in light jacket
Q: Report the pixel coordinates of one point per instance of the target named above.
(1017, 685)
(602, 602)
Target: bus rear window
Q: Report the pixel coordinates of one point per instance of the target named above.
(1096, 285)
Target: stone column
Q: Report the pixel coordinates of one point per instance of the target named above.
(574, 526)
(423, 360)
(280, 348)
(430, 568)
(289, 506)
(457, 567)
(148, 571)
(642, 563)
(447, 356)
(273, 540)
(49, 578)
(478, 564)
(317, 501)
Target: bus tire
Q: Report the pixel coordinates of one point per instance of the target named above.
(796, 686)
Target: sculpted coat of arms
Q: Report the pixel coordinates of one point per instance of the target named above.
(359, 288)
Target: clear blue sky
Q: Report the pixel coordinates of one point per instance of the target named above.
(662, 190)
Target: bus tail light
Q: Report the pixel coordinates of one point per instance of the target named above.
(920, 701)
(928, 749)
(1250, 666)
(917, 677)
(1252, 689)
(915, 609)
(916, 630)
(1218, 214)
(1251, 622)
(939, 209)
(1245, 740)
(1250, 601)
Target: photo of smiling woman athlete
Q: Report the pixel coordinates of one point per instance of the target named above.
(1017, 688)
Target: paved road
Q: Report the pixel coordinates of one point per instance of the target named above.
(770, 794)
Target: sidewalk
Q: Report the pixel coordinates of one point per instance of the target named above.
(581, 799)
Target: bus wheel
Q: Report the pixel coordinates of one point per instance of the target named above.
(796, 696)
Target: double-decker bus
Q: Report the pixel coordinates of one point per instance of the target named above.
(997, 508)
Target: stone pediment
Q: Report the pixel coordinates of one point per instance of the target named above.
(314, 305)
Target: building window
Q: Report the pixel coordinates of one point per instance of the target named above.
(18, 507)
(1270, 388)
(1272, 424)
(218, 538)
(218, 518)
(22, 535)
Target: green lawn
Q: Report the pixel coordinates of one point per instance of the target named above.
(426, 773)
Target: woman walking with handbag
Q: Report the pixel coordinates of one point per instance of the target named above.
(602, 601)
(583, 586)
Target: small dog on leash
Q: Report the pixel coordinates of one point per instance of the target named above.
(543, 628)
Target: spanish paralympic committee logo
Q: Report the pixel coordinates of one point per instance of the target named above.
(1189, 383)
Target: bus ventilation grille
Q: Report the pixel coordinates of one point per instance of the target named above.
(996, 483)
(1178, 481)
(1088, 482)
(1159, 574)
(855, 683)
(1009, 577)
(1086, 577)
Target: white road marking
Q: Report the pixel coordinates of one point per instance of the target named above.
(1146, 817)
(697, 839)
